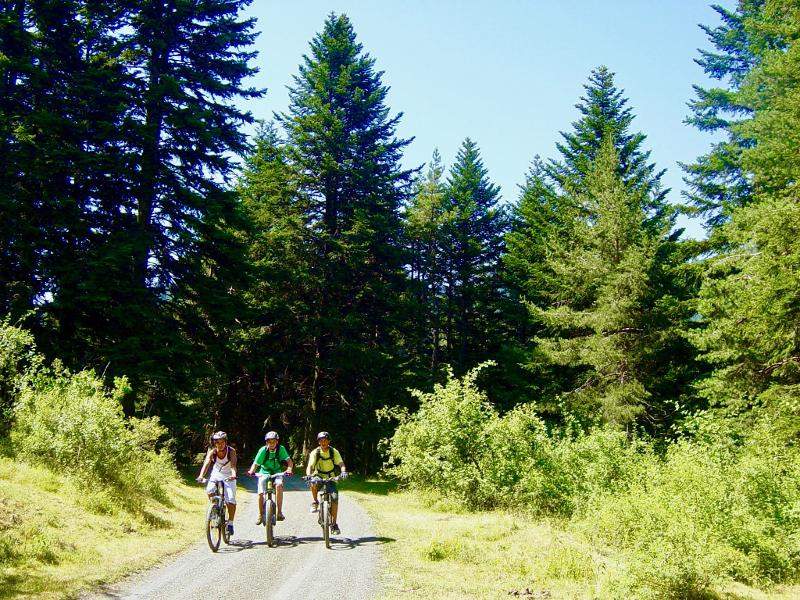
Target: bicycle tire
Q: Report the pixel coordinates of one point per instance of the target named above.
(223, 524)
(269, 517)
(326, 523)
(213, 532)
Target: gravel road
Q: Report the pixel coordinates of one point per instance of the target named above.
(298, 567)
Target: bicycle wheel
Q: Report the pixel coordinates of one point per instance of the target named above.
(223, 524)
(213, 531)
(269, 517)
(326, 522)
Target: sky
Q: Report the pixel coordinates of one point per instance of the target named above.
(508, 73)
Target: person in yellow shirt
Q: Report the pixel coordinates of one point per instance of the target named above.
(322, 462)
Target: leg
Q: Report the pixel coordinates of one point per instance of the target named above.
(314, 493)
(231, 511)
(279, 497)
(334, 512)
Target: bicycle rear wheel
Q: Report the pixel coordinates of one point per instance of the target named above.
(213, 530)
(326, 522)
(269, 517)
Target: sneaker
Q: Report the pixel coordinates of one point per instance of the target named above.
(335, 529)
(230, 528)
(260, 520)
(280, 517)
(314, 507)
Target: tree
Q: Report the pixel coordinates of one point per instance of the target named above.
(426, 220)
(615, 316)
(749, 301)
(472, 244)
(605, 115)
(341, 161)
(717, 183)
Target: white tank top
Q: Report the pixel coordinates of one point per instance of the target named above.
(222, 466)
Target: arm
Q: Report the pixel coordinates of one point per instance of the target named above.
(255, 464)
(310, 464)
(289, 466)
(234, 462)
(341, 464)
(206, 463)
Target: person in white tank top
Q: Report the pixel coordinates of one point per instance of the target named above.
(222, 460)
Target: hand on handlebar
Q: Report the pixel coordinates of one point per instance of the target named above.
(201, 480)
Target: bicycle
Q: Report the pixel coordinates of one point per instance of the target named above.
(268, 508)
(217, 518)
(325, 489)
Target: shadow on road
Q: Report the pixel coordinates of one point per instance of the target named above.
(290, 541)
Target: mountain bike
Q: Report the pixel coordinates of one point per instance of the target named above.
(217, 518)
(268, 508)
(325, 487)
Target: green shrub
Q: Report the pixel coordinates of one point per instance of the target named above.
(70, 422)
(17, 358)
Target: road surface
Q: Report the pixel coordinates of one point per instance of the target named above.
(298, 567)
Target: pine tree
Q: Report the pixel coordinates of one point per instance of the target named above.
(342, 161)
(425, 223)
(717, 183)
(472, 245)
(605, 114)
(749, 299)
(615, 315)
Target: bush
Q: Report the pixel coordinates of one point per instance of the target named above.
(17, 357)
(70, 422)
(701, 511)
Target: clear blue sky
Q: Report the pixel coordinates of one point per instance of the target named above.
(507, 73)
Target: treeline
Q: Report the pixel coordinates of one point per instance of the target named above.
(323, 279)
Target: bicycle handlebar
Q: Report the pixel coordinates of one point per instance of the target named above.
(315, 479)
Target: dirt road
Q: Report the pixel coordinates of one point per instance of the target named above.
(298, 567)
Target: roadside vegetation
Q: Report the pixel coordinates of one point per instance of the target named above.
(87, 495)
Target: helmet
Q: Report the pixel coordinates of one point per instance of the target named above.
(271, 435)
(323, 434)
(220, 435)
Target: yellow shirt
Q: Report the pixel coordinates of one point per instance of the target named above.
(323, 466)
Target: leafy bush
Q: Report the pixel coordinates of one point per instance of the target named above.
(72, 423)
(703, 510)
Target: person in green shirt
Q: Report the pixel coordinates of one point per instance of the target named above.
(269, 461)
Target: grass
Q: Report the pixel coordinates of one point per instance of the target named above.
(444, 553)
(56, 540)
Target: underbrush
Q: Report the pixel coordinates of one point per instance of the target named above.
(683, 521)
(70, 422)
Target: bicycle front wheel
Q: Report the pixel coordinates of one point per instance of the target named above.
(326, 523)
(213, 530)
(269, 517)
(223, 525)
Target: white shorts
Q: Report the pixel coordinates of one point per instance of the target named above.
(229, 487)
(262, 482)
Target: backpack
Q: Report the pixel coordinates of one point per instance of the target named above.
(317, 458)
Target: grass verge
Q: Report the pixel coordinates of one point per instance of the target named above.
(57, 539)
(443, 553)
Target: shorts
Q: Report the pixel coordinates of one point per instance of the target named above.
(262, 482)
(334, 492)
(228, 486)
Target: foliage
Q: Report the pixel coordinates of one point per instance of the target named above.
(70, 422)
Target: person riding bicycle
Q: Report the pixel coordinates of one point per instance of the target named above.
(322, 462)
(269, 461)
(224, 470)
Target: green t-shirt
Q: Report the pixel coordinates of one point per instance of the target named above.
(270, 461)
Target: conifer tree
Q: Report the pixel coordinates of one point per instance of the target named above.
(341, 159)
(614, 317)
(472, 245)
(717, 183)
(749, 299)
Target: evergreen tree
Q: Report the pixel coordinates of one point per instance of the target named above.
(426, 220)
(749, 299)
(341, 161)
(615, 317)
(717, 183)
(605, 114)
(472, 245)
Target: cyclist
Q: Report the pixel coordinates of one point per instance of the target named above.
(322, 462)
(224, 470)
(268, 461)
